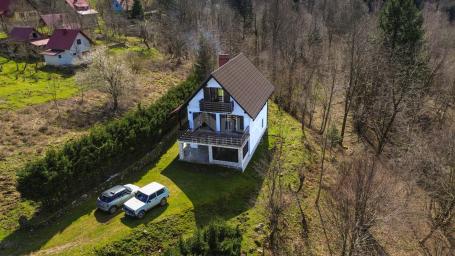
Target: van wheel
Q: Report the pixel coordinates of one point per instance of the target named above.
(163, 202)
(113, 209)
(141, 214)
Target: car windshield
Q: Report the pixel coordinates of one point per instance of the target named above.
(142, 197)
(106, 199)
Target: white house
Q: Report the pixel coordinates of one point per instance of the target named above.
(227, 116)
(66, 47)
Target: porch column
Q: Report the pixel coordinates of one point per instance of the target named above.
(218, 125)
(210, 154)
(181, 154)
(240, 156)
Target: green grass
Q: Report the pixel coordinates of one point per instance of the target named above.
(19, 90)
(198, 194)
(192, 188)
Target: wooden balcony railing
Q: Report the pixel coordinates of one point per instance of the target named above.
(213, 138)
(220, 107)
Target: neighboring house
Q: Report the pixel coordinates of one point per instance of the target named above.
(227, 116)
(26, 39)
(18, 13)
(24, 34)
(58, 20)
(66, 47)
(86, 15)
(122, 5)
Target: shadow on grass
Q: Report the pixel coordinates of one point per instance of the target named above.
(105, 217)
(215, 192)
(149, 216)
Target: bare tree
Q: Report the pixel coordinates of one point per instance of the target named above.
(355, 204)
(431, 161)
(108, 74)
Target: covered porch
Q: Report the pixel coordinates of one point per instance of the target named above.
(232, 157)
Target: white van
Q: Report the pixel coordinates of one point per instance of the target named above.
(145, 199)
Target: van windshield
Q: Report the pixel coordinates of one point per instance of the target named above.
(141, 197)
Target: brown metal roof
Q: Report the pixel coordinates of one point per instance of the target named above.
(245, 83)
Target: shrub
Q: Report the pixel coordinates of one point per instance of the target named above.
(79, 165)
(333, 136)
(217, 238)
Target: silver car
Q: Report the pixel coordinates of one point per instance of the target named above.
(113, 199)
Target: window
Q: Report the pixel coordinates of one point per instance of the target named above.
(245, 149)
(220, 93)
(161, 191)
(262, 123)
(34, 35)
(59, 56)
(78, 41)
(232, 123)
(74, 54)
(225, 154)
(215, 95)
(152, 196)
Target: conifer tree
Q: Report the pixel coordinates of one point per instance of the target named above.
(205, 59)
(137, 12)
(401, 25)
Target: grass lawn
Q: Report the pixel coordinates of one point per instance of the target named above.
(30, 87)
(198, 194)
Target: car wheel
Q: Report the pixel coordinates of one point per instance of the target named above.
(163, 202)
(113, 209)
(141, 214)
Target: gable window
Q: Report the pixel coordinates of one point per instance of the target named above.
(78, 41)
(34, 35)
(74, 53)
(59, 56)
(216, 95)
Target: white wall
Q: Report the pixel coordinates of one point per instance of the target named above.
(257, 128)
(68, 57)
(193, 106)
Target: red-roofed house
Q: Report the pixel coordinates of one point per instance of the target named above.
(66, 47)
(18, 13)
(24, 34)
(26, 38)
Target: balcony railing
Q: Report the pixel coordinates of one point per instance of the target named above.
(201, 136)
(221, 107)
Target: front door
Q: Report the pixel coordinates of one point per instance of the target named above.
(231, 123)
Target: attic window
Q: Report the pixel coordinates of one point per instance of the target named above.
(78, 41)
(59, 56)
(34, 35)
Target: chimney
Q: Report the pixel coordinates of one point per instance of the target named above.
(222, 59)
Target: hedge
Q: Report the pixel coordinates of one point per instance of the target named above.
(79, 165)
(217, 238)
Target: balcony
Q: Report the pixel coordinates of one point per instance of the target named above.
(203, 136)
(219, 107)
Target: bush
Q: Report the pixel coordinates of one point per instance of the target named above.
(78, 166)
(333, 136)
(217, 238)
